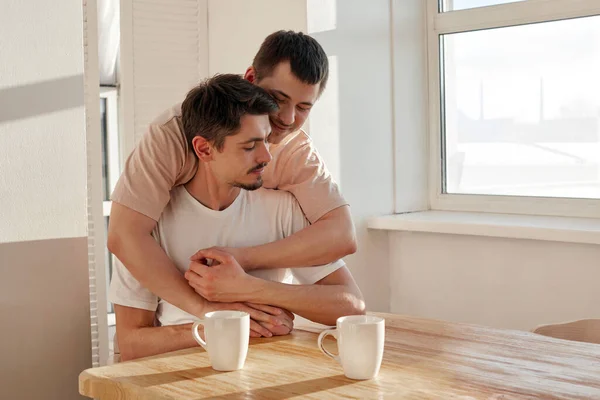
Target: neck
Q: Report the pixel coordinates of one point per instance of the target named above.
(213, 194)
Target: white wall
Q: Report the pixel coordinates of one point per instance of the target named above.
(506, 283)
(41, 122)
(44, 298)
(237, 29)
(410, 105)
(355, 136)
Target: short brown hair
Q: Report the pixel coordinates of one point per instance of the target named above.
(214, 108)
(307, 58)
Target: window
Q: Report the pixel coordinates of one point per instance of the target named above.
(515, 115)
(455, 5)
(111, 165)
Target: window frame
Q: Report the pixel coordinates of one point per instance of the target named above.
(488, 17)
(114, 161)
(114, 141)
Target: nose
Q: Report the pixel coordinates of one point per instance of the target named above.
(287, 115)
(264, 155)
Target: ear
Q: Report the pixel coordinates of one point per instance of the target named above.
(202, 148)
(250, 75)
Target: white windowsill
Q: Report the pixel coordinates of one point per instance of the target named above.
(558, 229)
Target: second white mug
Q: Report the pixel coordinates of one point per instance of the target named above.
(226, 334)
(360, 340)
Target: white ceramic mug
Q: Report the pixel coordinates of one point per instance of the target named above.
(226, 334)
(360, 340)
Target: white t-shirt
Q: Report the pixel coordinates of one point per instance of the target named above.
(186, 226)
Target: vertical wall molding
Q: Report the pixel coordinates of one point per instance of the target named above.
(96, 235)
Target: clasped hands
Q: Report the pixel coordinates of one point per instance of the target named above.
(216, 275)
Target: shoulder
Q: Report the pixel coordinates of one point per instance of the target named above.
(300, 155)
(298, 147)
(165, 133)
(167, 116)
(298, 140)
(167, 125)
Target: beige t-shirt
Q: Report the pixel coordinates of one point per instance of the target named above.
(254, 218)
(162, 160)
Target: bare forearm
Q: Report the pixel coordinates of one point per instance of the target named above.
(144, 342)
(150, 265)
(330, 238)
(319, 303)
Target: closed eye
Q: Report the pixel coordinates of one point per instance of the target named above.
(250, 144)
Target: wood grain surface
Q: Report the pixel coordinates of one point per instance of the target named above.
(423, 359)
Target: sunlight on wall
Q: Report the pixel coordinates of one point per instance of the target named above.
(324, 123)
(321, 15)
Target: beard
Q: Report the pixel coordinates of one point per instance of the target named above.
(249, 186)
(255, 185)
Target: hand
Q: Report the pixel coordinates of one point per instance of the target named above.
(223, 281)
(286, 317)
(264, 320)
(236, 252)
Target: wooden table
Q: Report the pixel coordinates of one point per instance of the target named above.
(423, 359)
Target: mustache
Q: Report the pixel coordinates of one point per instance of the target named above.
(259, 166)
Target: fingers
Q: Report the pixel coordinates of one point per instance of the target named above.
(192, 277)
(265, 308)
(288, 322)
(284, 322)
(195, 281)
(282, 314)
(197, 256)
(258, 328)
(258, 315)
(198, 268)
(279, 330)
(289, 314)
(254, 334)
(213, 253)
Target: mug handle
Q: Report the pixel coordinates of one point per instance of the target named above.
(332, 332)
(197, 335)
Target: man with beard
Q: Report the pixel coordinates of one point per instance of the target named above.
(293, 69)
(226, 123)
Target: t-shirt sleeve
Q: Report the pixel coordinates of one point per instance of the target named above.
(125, 290)
(157, 164)
(294, 221)
(305, 175)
